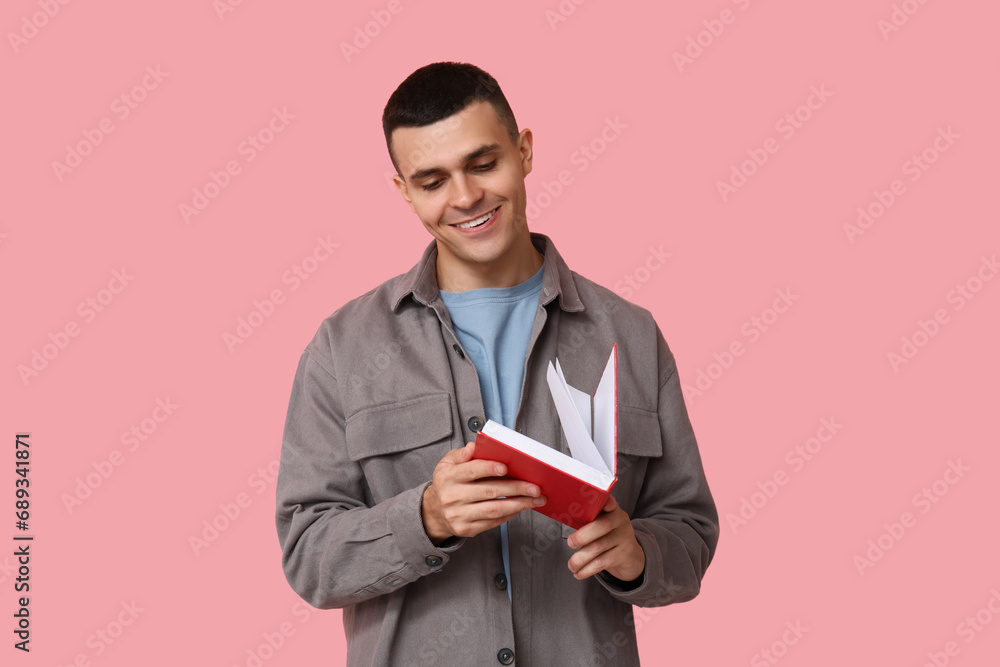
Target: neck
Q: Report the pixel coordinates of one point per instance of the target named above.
(505, 272)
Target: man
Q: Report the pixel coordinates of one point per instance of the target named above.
(382, 509)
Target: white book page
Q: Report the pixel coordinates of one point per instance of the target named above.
(605, 407)
(580, 445)
(546, 454)
(581, 400)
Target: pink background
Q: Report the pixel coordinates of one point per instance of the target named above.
(682, 128)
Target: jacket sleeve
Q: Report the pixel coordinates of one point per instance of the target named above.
(336, 550)
(675, 519)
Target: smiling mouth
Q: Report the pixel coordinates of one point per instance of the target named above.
(478, 221)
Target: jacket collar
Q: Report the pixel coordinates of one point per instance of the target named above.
(557, 279)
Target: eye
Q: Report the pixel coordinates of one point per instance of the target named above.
(486, 167)
(431, 186)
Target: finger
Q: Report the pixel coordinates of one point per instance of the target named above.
(599, 563)
(588, 553)
(455, 497)
(457, 465)
(460, 455)
(619, 561)
(477, 517)
(470, 471)
(596, 529)
(504, 509)
(473, 528)
(488, 489)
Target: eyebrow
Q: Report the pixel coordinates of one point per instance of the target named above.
(479, 152)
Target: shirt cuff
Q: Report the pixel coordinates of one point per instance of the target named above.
(415, 547)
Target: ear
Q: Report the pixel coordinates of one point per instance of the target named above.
(524, 147)
(403, 190)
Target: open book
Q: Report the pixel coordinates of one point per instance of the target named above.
(576, 486)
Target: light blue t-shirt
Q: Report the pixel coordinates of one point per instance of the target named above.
(494, 327)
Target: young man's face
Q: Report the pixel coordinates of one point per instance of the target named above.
(464, 179)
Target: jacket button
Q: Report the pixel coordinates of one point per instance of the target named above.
(432, 561)
(501, 582)
(458, 351)
(505, 656)
(475, 423)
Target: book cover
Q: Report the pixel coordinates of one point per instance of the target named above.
(576, 486)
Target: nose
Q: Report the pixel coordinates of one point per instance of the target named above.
(464, 192)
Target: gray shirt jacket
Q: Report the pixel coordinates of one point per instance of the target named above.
(384, 390)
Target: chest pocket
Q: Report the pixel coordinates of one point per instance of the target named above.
(398, 444)
(638, 441)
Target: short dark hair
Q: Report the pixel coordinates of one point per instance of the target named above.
(439, 90)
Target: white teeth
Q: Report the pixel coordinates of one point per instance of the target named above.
(478, 221)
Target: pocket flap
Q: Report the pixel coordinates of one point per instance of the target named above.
(397, 427)
(638, 432)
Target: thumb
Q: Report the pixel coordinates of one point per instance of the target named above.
(611, 504)
(465, 453)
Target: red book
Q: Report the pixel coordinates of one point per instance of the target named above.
(577, 486)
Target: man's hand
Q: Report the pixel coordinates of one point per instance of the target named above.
(607, 543)
(466, 496)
